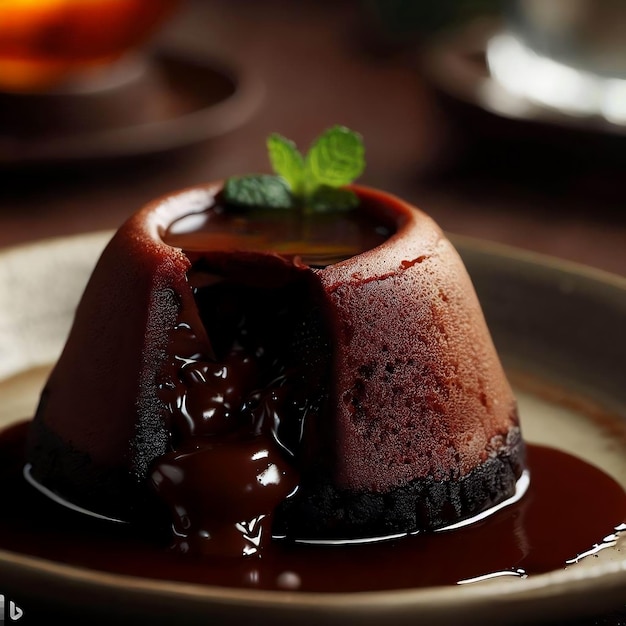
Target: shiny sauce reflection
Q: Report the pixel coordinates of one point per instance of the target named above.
(570, 507)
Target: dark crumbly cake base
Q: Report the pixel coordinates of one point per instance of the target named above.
(323, 512)
(71, 474)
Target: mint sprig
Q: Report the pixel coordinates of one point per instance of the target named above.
(259, 190)
(287, 162)
(312, 183)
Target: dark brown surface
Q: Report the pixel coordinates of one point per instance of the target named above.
(553, 191)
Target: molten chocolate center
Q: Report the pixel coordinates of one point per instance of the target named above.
(247, 370)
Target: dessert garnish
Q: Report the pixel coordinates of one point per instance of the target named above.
(314, 182)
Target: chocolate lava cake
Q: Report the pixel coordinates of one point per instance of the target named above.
(340, 390)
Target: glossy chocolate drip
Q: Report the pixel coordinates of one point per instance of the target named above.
(245, 370)
(222, 493)
(571, 506)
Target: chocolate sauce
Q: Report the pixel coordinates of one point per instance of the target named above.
(570, 507)
(318, 239)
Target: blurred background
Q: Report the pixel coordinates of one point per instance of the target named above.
(491, 116)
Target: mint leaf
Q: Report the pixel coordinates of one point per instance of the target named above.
(336, 158)
(309, 184)
(287, 161)
(259, 190)
(325, 199)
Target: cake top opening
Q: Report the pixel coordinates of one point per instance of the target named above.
(317, 239)
(306, 210)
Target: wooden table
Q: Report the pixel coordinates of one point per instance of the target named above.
(321, 63)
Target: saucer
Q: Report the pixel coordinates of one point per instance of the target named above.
(169, 99)
(455, 63)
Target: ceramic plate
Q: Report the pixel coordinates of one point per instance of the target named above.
(560, 331)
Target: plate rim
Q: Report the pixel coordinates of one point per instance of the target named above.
(158, 136)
